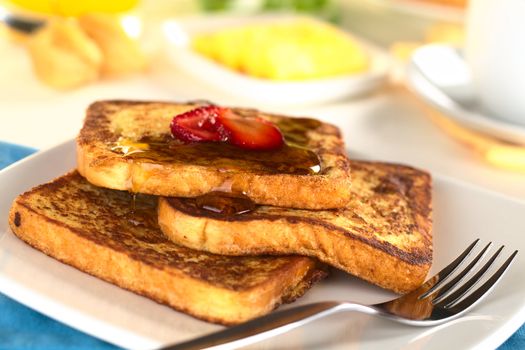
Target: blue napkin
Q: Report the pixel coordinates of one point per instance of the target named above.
(10, 153)
(517, 341)
(22, 328)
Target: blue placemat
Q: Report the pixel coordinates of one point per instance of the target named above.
(22, 328)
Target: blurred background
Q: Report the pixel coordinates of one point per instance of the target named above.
(82, 51)
(316, 57)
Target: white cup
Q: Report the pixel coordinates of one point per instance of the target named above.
(495, 52)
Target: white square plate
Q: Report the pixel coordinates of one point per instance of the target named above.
(461, 214)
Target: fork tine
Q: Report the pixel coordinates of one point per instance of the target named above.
(461, 291)
(449, 269)
(447, 287)
(484, 290)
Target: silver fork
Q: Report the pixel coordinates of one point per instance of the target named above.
(433, 303)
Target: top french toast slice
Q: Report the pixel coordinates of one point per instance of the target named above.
(127, 145)
(383, 235)
(115, 236)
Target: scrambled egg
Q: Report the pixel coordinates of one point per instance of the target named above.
(297, 50)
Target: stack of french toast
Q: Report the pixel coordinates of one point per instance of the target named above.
(225, 213)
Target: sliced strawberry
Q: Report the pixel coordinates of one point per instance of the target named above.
(250, 133)
(198, 125)
(212, 123)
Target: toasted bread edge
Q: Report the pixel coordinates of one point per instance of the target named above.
(173, 288)
(354, 255)
(104, 168)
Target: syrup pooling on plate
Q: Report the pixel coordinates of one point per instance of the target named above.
(292, 158)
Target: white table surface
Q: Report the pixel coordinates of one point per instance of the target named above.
(386, 125)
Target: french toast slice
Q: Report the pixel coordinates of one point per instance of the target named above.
(382, 236)
(104, 233)
(127, 145)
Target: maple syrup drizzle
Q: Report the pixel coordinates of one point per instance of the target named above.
(133, 202)
(289, 159)
(134, 216)
(292, 158)
(224, 203)
(295, 130)
(138, 215)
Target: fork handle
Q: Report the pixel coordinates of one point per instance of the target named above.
(264, 327)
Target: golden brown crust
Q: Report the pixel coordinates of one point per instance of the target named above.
(91, 229)
(106, 121)
(383, 236)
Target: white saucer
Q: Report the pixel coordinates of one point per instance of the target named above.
(178, 35)
(439, 75)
